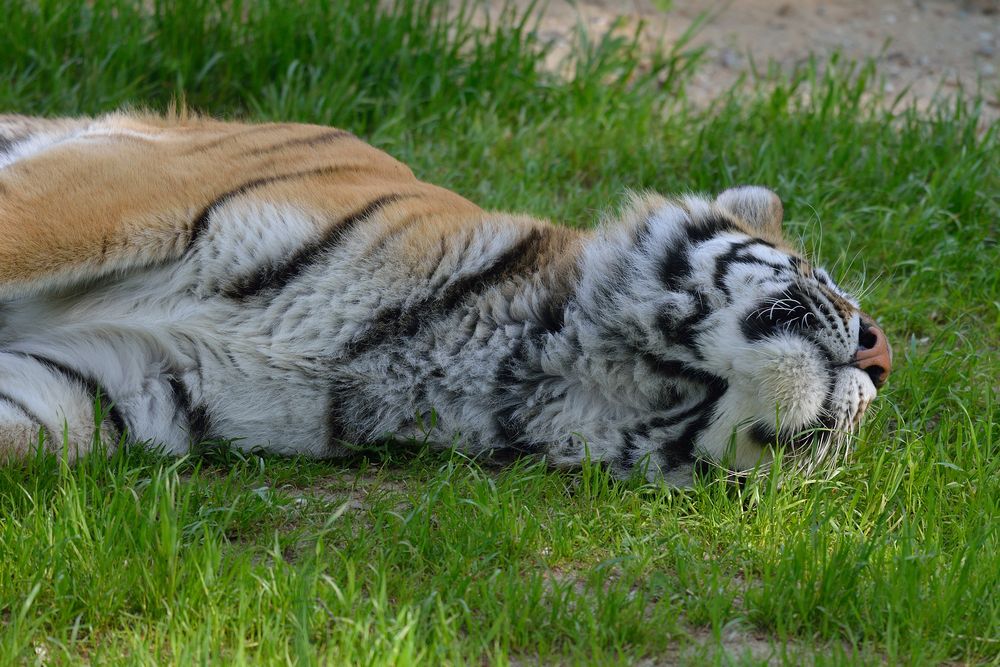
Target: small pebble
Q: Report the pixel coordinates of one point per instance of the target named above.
(730, 58)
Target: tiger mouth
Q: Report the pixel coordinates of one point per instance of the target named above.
(800, 442)
(765, 435)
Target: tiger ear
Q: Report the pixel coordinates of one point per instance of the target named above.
(758, 207)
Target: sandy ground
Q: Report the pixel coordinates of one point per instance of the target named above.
(923, 47)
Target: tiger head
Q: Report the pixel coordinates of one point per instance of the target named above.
(732, 342)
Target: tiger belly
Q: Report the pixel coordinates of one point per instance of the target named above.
(243, 340)
(171, 361)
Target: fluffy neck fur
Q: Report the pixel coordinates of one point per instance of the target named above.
(557, 363)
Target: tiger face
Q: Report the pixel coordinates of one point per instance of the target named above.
(742, 346)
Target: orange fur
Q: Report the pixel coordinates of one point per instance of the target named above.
(126, 190)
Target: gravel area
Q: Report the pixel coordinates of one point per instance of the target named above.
(924, 48)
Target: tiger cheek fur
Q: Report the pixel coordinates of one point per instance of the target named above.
(291, 288)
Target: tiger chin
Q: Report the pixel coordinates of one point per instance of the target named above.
(290, 288)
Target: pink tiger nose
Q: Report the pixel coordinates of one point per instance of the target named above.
(874, 356)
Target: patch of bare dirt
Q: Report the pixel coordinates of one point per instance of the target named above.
(352, 492)
(925, 47)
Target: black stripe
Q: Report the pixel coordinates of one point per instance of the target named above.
(724, 261)
(551, 313)
(683, 415)
(510, 381)
(672, 368)
(323, 138)
(520, 257)
(719, 277)
(394, 322)
(6, 144)
(625, 458)
(90, 385)
(23, 408)
(198, 420)
(399, 228)
(232, 136)
(200, 223)
(276, 277)
(336, 431)
(705, 229)
(754, 261)
(675, 266)
(734, 256)
(339, 436)
(681, 449)
(511, 431)
(646, 229)
(684, 331)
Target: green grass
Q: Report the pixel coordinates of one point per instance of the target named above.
(410, 555)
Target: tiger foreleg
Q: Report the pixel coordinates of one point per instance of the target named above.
(39, 398)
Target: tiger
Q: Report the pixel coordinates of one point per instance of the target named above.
(170, 280)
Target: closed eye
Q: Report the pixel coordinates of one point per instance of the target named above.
(785, 311)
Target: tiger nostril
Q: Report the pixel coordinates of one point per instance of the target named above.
(877, 375)
(874, 356)
(867, 339)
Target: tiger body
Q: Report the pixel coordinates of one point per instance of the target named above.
(292, 288)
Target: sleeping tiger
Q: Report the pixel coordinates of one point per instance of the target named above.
(168, 281)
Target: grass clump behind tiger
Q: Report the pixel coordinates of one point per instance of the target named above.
(426, 556)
